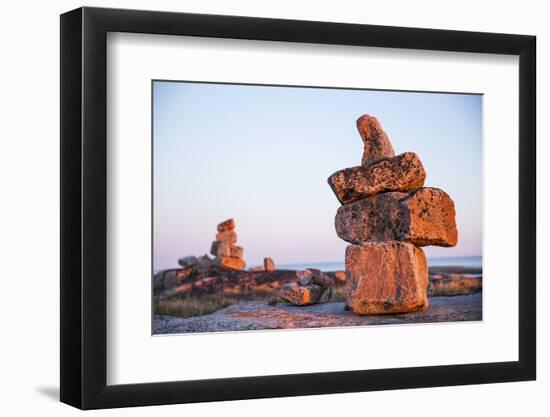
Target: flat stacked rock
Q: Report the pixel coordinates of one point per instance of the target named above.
(312, 287)
(423, 217)
(227, 254)
(401, 173)
(387, 215)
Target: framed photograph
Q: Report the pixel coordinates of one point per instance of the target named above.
(257, 207)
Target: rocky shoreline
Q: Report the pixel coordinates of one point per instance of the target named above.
(181, 281)
(227, 300)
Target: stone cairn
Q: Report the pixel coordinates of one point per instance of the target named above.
(227, 254)
(269, 266)
(387, 215)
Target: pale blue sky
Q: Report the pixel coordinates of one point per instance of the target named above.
(262, 155)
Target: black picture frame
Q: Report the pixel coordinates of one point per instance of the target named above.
(84, 207)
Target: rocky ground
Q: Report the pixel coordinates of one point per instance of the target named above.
(186, 281)
(258, 315)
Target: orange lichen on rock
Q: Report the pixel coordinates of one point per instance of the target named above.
(340, 276)
(229, 262)
(432, 218)
(298, 294)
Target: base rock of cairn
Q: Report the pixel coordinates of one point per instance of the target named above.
(401, 267)
(227, 254)
(387, 215)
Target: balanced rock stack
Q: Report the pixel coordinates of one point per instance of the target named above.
(387, 215)
(227, 254)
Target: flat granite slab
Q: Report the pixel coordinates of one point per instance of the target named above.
(257, 315)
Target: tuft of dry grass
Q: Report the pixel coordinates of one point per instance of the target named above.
(193, 306)
(455, 270)
(450, 287)
(198, 305)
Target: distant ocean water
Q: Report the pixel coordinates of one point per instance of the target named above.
(468, 261)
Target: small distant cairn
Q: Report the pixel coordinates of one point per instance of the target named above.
(387, 215)
(312, 287)
(227, 254)
(269, 265)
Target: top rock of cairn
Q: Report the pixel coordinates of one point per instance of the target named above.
(376, 144)
(228, 224)
(387, 215)
(380, 170)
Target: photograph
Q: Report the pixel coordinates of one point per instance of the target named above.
(242, 208)
(299, 207)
